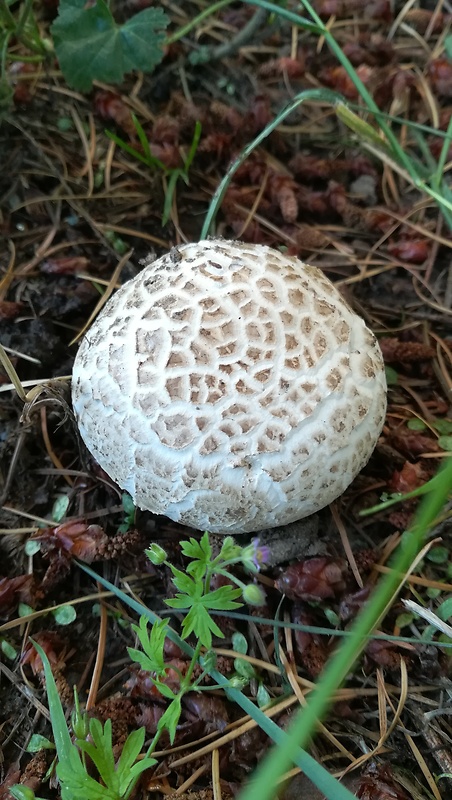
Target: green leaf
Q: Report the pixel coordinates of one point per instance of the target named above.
(445, 442)
(24, 610)
(164, 690)
(126, 768)
(200, 550)
(244, 668)
(416, 424)
(230, 550)
(199, 621)
(404, 619)
(38, 742)
(222, 599)
(65, 615)
(76, 783)
(170, 718)
(7, 649)
(60, 507)
(391, 376)
(152, 643)
(443, 426)
(185, 584)
(90, 45)
(239, 643)
(438, 555)
(100, 751)
(444, 611)
(32, 547)
(263, 698)
(59, 727)
(20, 792)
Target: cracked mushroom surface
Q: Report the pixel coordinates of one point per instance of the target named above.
(230, 387)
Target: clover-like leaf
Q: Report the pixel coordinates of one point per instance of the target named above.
(91, 45)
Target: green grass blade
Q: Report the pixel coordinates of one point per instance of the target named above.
(321, 95)
(61, 735)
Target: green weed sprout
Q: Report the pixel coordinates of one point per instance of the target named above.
(116, 780)
(195, 595)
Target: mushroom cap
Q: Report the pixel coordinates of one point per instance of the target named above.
(230, 387)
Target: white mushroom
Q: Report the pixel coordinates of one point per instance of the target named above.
(230, 387)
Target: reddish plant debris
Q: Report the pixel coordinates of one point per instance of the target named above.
(74, 538)
(254, 742)
(292, 67)
(411, 477)
(13, 591)
(141, 684)
(377, 783)
(110, 106)
(423, 19)
(66, 265)
(412, 444)
(51, 643)
(338, 79)
(35, 771)
(9, 309)
(386, 654)
(370, 49)
(24, 90)
(396, 350)
(312, 649)
(149, 715)
(283, 192)
(370, 9)
(313, 579)
(352, 604)
(414, 250)
(401, 519)
(354, 216)
(440, 74)
(206, 708)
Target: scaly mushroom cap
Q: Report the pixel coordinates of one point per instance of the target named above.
(230, 387)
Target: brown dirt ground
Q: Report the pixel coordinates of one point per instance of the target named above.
(72, 205)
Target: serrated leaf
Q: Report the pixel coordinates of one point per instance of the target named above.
(130, 752)
(222, 599)
(165, 690)
(152, 643)
(185, 584)
(100, 751)
(90, 45)
(170, 719)
(199, 621)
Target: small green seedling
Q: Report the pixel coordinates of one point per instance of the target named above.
(195, 595)
(171, 176)
(116, 780)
